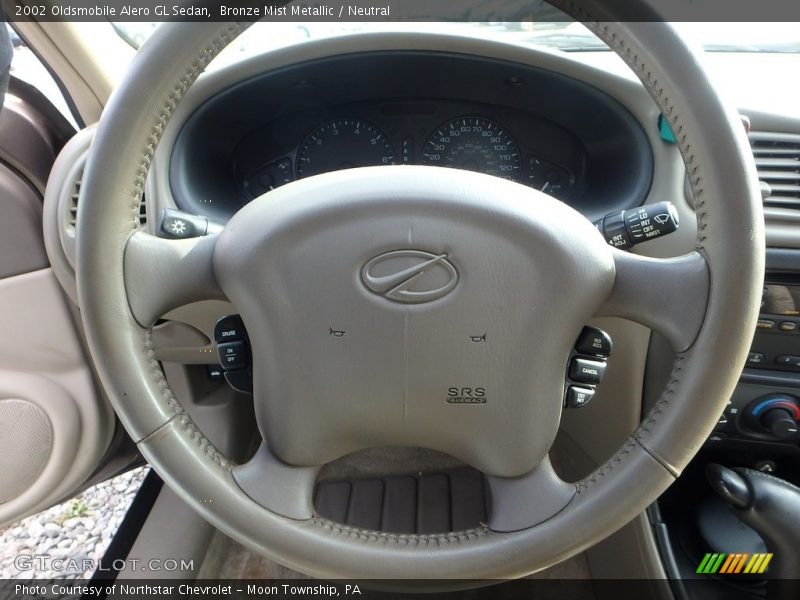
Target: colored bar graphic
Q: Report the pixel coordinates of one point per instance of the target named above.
(737, 562)
(767, 558)
(728, 562)
(717, 563)
(753, 564)
(702, 566)
(740, 564)
(731, 563)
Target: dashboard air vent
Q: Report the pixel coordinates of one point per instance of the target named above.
(777, 158)
(75, 193)
(74, 196)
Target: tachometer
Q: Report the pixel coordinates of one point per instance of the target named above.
(343, 144)
(474, 144)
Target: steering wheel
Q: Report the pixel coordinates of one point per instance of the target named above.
(338, 250)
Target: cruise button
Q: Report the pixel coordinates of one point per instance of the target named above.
(584, 370)
(232, 355)
(578, 396)
(594, 342)
(241, 380)
(229, 329)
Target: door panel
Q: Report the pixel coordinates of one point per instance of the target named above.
(21, 243)
(55, 425)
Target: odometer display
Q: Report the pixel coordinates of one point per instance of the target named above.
(343, 144)
(474, 144)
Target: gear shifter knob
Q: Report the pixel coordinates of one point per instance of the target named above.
(731, 486)
(771, 506)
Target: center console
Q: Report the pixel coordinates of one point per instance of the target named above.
(758, 430)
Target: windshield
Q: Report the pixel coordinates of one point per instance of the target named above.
(566, 36)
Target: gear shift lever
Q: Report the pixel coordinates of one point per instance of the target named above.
(771, 506)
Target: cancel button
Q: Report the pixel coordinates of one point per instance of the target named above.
(584, 370)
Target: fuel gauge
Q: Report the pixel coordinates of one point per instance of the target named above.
(548, 177)
(269, 177)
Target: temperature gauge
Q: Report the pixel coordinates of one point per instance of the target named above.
(548, 177)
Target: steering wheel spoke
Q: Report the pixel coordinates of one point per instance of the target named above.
(667, 295)
(283, 489)
(163, 274)
(519, 503)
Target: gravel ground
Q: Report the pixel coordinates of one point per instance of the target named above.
(78, 529)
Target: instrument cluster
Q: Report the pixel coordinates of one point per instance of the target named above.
(539, 128)
(471, 142)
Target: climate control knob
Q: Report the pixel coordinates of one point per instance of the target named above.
(776, 415)
(780, 422)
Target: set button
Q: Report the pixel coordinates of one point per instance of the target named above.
(578, 396)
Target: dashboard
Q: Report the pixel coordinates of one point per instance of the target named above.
(573, 125)
(509, 120)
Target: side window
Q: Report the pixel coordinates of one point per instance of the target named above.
(6, 51)
(27, 67)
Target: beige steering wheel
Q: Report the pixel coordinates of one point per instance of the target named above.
(282, 262)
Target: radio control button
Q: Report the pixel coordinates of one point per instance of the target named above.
(788, 361)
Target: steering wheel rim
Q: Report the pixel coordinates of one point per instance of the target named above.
(723, 276)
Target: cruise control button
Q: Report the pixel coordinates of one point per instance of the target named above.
(584, 370)
(755, 358)
(578, 396)
(229, 329)
(232, 355)
(594, 342)
(787, 326)
(241, 380)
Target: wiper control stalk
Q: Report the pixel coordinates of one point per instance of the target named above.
(627, 228)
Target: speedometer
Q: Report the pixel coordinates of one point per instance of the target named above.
(343, 144)
(474, 144)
